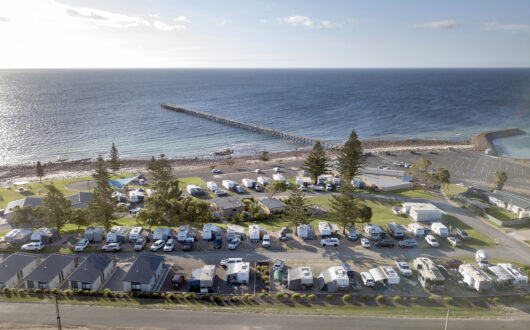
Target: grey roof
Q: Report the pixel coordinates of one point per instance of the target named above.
(50, 267)
(272, 203)
(225, 203)
(514, 199)
(10, 266)
(326, 279)
(31, 201)
(143, 269)
(91, 268)
(82, 197)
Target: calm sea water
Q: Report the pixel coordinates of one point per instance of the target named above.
(72, 114)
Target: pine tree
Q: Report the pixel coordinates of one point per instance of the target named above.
(39, 171)
(115, 162)
(56, 209)
(276, 187)
(80, 218)
(350, 159)
(103, 208)
(296, 212)
(500, 178)
(317, 162)
(160, 168)
(420, 172)
(344, 207)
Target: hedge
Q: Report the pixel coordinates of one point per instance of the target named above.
(380, 299)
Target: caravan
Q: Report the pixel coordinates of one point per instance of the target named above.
(416, 229)
(256, 232)
(475, 278)
(210, 231)
(305, 232)
(118, 234)
(324, 229)
(135, 233)
(212, 186)
(440, 229)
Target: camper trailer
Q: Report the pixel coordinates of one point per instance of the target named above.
(392, 277)
(262, 180)
(182, 234)
(45, 235)
(135, 233)
(440, 229)
(256, 232)
(305, 232)
(333, 279)
(194, 190)
(162, 234)
(520, 280)
(209, 231)
(429, 275)
(395, 230)
(234, 230)
(249, 183)
(212, 186)
(136, 196)
(202, 279)
(118, 234)
(299, 278)
(94, 234)
(229, 184)
(19, 236)
(475, 278)
(416, 229)
(372, 231)
(238, 273)
(482, 258)
(278, 177)
(324, 229)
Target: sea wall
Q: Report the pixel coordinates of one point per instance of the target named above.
(484, 140)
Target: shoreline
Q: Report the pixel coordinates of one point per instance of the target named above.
(84, 167)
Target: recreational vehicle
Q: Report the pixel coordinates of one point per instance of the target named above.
(440, 229)
(429, 275)
(475, 278)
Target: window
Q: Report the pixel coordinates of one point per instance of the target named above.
(86, 286)
(136, 286)
(43, 285)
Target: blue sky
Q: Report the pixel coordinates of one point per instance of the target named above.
(198, 33)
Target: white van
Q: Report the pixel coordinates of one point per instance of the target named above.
(367, 279)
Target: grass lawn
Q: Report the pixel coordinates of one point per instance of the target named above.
(451, 190)
(477, 240)
(501, 214)
(411, 194)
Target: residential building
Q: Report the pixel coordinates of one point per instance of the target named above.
(15, 267)
(144, 273)
(272, 205)
(516, 204)
(228, 206)
(91, 273)
(52, 272)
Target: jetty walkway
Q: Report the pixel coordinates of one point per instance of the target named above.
(253, 127)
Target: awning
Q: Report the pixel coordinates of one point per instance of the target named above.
(122, 182)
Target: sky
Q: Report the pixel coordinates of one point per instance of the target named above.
(264, 34)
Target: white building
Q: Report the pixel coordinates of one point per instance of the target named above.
(516, 204)
(423, 212)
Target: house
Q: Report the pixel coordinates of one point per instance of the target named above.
(516, 204)
(228, 207)
(429, 274)
(26, 201)
(45, 235)
(51, 272)
(423, 212)
(19, 236)
(306, 232)
(15, 267)
(385, 179)
(299, 278)
(81, 200)
(144, 273)
(202, 279)
(271, 205)
(91, 273)
(333, 279)
(238, 273)
(475, 278)
(94, 234)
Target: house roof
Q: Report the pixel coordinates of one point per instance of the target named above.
(225, 203)
(143, 269)
(511, 198)
(81, 197)
(10, 266)
(272, 203)
(91, 268)
(31, 201)
(50, 267)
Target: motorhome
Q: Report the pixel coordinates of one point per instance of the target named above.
(395, 230)
(256, 232)
(194, 190)
(440, 229)
(209, 231)
(249, 183)
(229, 184)
(324, 228)
(475, 278)
(263, 180)
(373, 231)
(278, 177)
(416, 229)
(305, 232)
(212, 186)
(135, 233)
(429, 275)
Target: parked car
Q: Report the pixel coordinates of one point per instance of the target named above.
(258, 171)
(278, 265)
(218, 242)
(403, 268)
(453, 263)
(454, 241)
(81, 245)
(140, 243)
(111, 247)
(348, 269)
(234, 243)
(220, 192)
(266, 243)
(462, 234)
(330, 241)
(33, 246)
(157, 245)
(216, 171)
(367, 279)
(387, 242)
(352, 234)
(188, 245)
(227, 261)
(365, 242)
(408, 243)
(170, 245)
(276, 169)
(431, 240)
(329, 187)
(177, 280)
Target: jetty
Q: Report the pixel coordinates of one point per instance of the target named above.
(253, 127)
(484, 140)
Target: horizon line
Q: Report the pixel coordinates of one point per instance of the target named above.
(264, 68)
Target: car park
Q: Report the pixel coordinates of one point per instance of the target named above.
(408, 243)
(385, 243)
(278, 265)
(330, 241)
(225, 262)
(81, 245)
(170, 245)
(431, 240)
(157, 245)
(454, 241)
(403, 268)
(234, 243)
(139, 244)
(218, 242)
(367, 279)
(33, 246)
(266, 241)
(365, 243)
(111, 247)
(462, 234)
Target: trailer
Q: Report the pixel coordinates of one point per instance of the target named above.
(229, 184)
(278, 177)
(212, 186)
(475, 278)
(194, 190)
(209, 231)
(162, 233)
(429, 275)
(238, 273)
(520, 280)
(440, 229)
(234, 230)
(263, 180)
(118, 234)
(135, 233)
(45, 235)
(372, 231)
(324, 229)
(249, 183)
(19, 236)
(299, 278)
(94, 234)
(182, 234)
(256, 232)
(305, 232)
(416, 229)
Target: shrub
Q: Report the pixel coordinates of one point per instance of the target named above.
(264, 278)
(21, 291)
(346, 298)
(431, 299)
(278, 295)
(267, 282)
(380, 299)
(107, 290)
(266, 272)
(162, 295)
(124, 295)
(303, 296)
(203, 297)
(155, 295)
(86, 292)
(295, 296)
(413, 299)
(5, 290)
(79, 291)
(312, 296)
(497, 299)
(286, 296)
(262, 295)
(527, 297)
(364, 298)
(329, 297)
(92, 292)
(45, 291)
(37, 290)
(108, 293)
(263, 291)
(448, 300)
(397, 299)
(170, 296)
(54, 291)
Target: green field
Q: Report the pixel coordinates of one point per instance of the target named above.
(451, 190)
(501, 214)
(477, 240)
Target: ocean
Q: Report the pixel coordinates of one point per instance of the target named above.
(48, 115)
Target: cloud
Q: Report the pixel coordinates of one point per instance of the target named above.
(154, 15)
(224, 22)
(506, 27)
(182, 19)
(305, 21)
(159, 25)
(105, 18)
(4, 19)
(438, 25)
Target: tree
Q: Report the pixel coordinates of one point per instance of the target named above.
(195, 211)
(264, 156)
(56, 209)
(420, 172)
(500, 178)
(343, 207)
(39, 171)
(316, 162)
(296, 212)
(442, 176)
(23, 217)
(103, 208)
(276, 187)
(165, 200)
(115, 162)
(350, 159)
(365, 213)
(80, 218)
(160, 168)
(149, 218)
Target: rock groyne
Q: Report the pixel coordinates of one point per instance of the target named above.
(484, 140)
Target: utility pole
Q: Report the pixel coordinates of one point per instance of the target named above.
(59, 327)
(447, 319)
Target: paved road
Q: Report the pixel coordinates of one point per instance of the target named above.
(92, 316)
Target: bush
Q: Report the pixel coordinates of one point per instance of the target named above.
(5, 290)
(203, 297)
(262, 295)
(124, 295)
(79, 291)
(267, 282)
(312, 296)
(266, 272)
(92, 292)
(21, 291)
(413, 299)
(155, 295)
(170, 296)
(278, 295)
(295, 296)
(37, 290)
(497, 299)
(397, 299)
(364, 298)
(329, 297)
(448, 300)
(346, 298)
(107, 290)
(108, 293)
(380, 299)
(303, 296)
(45, 291)
(54, 291)
(431, 299)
